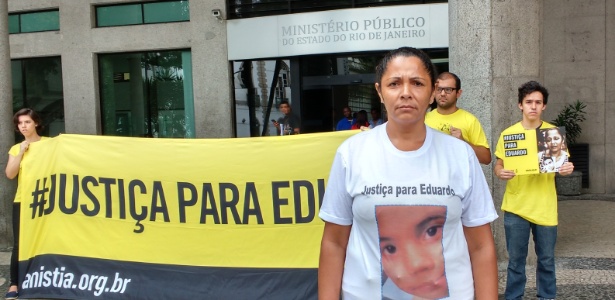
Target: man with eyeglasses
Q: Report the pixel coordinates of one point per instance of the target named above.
(450, 119)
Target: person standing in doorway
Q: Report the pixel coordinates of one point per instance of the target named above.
(530, 203)
(290, 123)
(346, 122)
(450, 119)
(376, 117)
(361, 121)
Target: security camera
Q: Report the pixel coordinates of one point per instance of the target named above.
(216, 13)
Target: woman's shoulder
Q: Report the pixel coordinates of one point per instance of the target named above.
(362, 138)
(449, 144)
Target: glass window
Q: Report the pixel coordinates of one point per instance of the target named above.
(147, 94)
(254, 106)
(13, 23)
(161, 12)
(37, 84)
(40, 21)
(119, 15)
(322, 87)
(34, 22)
(146, 13)
(260, 8)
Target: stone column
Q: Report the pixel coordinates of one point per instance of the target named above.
(494, 47)
(7, 134)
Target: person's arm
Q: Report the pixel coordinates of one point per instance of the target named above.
(276, 124)
(12, 167)
(332, 258)
(482, 153)
(484, 261)
(502, 173)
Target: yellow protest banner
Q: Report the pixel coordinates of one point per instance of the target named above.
(134, 218)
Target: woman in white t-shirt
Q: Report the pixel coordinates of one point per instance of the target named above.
(407, 210)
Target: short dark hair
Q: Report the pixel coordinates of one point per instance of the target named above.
(33, 115)
(406, 52)
(284, 102)
(446, 75)
(533, 86)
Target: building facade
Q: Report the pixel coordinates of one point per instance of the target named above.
(217, 69)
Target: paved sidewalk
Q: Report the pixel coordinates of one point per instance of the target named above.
(5, 258)
(585, 253)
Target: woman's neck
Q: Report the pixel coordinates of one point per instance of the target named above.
(407, 138)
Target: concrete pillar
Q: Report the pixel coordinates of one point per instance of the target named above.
(7, 134)
(609, 162)
(81, 99)
(494, 47)
(213, 104)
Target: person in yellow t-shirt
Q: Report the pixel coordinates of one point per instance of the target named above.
(29, 124)
(530, 204)
(450, 119)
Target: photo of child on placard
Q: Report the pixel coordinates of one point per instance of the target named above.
(552, 149)
(411, 251)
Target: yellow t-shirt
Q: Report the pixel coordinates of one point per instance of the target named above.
(532, 197)
(469, 125)
(14, 151)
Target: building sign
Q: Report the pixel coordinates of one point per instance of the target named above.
(338, 31)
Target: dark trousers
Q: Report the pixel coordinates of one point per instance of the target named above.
(15, 253)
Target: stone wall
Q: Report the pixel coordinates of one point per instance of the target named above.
(578, 63)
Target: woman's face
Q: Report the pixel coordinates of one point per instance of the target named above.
(26, 126)
(406, 90)
(554, 141)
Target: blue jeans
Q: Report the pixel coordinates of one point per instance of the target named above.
(517, 232)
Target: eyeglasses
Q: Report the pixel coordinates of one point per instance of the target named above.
(447, 90)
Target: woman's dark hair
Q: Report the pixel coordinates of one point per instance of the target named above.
(33, 115)
(362, 118)
(533, 86)
(406, 52)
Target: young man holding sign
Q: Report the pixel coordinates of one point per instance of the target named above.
(530, 201)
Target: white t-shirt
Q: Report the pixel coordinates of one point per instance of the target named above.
(437, 189)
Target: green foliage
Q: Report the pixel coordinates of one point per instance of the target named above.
(571, 117)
